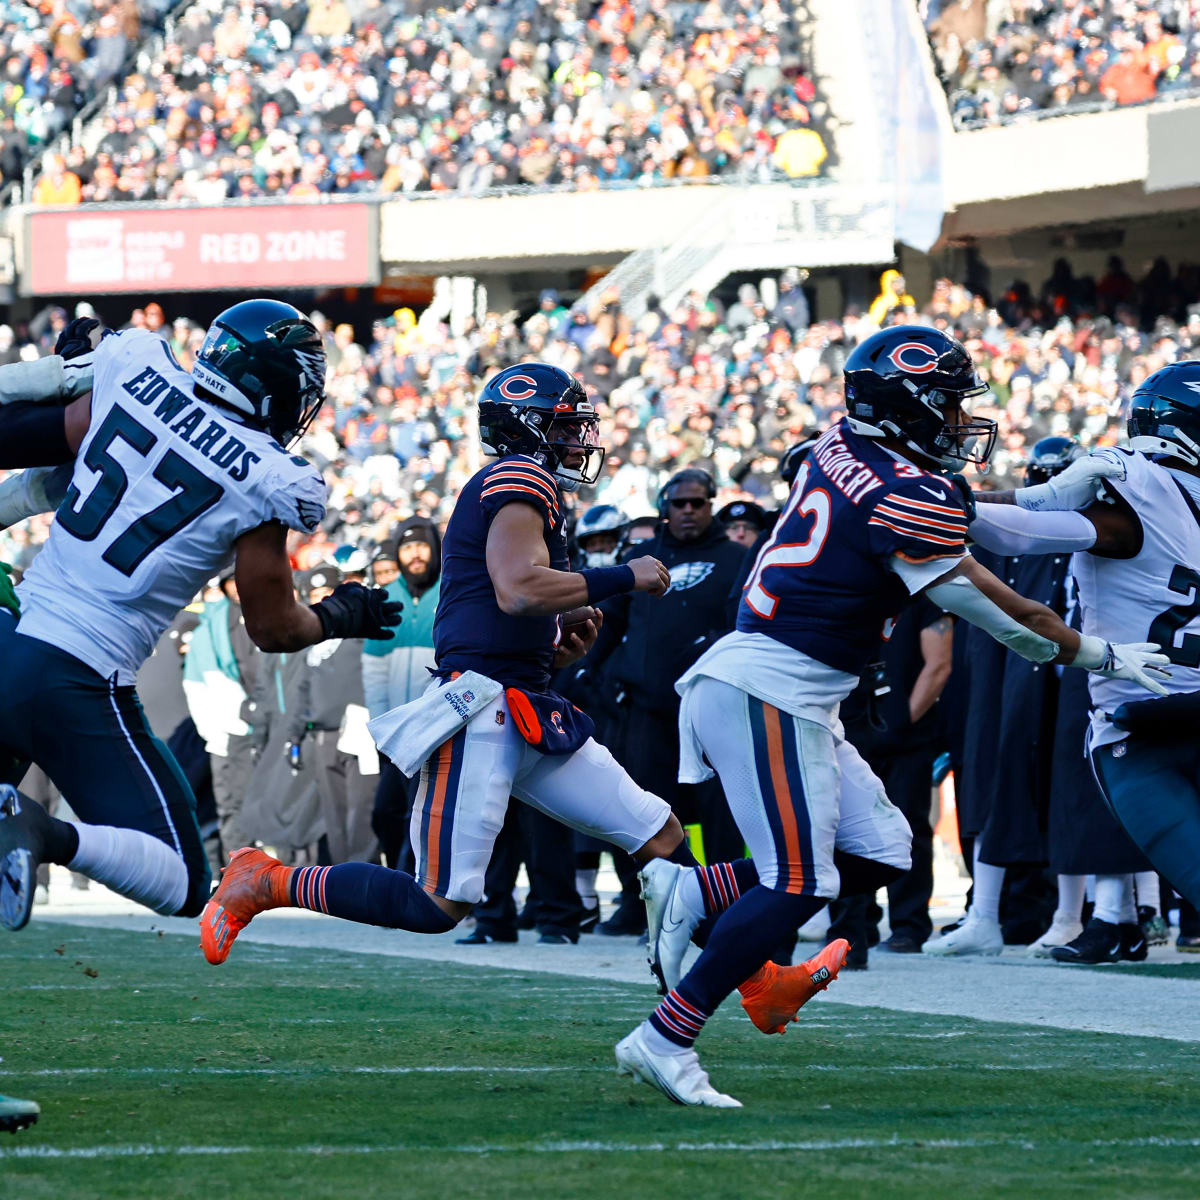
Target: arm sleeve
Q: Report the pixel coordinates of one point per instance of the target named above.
(517, 481)
(961, 597)
(1007, 529)
(920, 522)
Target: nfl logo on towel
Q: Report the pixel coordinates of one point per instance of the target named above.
(469, 697)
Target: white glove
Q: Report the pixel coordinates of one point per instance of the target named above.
(1138, 662)
(1076, 487)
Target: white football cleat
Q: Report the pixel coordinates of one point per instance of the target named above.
(1059, 934)
(669, 921)
(976, 935)
(679, 1077)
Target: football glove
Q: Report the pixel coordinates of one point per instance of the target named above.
(353, 610)
(1138, 662)
(8, 597)
(1074, 488)
(76, 338)
(964, 494)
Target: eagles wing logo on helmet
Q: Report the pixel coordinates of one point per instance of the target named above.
(312, 368)
(687, 575)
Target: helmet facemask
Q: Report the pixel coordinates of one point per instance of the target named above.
(572, 435)
(928, 434)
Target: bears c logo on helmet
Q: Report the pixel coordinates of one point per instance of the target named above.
(915, 357)
(518, 387)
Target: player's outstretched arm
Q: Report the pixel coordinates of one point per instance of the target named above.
(1074, 488)
(1037, 633)
(277, 622)
(518, 563)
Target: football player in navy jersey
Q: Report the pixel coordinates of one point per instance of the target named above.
(511, 610)
(870, 521)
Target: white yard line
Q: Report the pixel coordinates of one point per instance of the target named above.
(586, 1147)
(1010, 988)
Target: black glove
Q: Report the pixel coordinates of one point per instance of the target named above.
(75, 338)
(965, 494)
(352, 610)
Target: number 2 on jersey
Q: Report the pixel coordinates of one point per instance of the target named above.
(1184, 582)
(195, 493)
(790, 554)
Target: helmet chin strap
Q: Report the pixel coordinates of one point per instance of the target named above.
(1183, 448)
(888, 429)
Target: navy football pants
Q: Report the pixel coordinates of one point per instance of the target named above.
(91, 738)
(1153, 789)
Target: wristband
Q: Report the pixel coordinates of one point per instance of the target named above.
(605, 582)
(1093, 653)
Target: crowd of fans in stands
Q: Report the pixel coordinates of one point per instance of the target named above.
(725, 387)
(303, 98)
(56, 54)
(1016, 57)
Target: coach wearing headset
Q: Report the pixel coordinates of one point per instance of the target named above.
(644, 647)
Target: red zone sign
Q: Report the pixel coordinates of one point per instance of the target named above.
(253, 247)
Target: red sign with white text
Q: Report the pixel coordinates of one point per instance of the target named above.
(175, 249)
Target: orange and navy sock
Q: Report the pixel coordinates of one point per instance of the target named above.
(723, 883)
(719, 886)
(370, 895)
(678, 1019)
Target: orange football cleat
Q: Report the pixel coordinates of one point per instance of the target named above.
(773, 995)
(250, 884)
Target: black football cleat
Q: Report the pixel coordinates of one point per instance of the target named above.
(23, 825)
(1134, 944)
(1100, 942)
(478, 937)
(17, 1114)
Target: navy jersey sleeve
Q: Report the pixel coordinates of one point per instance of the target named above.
(524, 482)
(919, 520)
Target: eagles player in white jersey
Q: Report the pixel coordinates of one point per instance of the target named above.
(174, 474)
(1136, 562)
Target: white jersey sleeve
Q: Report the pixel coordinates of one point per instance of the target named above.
(294, 493)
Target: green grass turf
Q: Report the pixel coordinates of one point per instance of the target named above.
(263, 1055)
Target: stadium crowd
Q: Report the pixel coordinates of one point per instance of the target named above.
(726, 388)
(1019, 57)
(306, 98)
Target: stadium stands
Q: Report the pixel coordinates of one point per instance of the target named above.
(733, 386)
(329, 97)
(1022, 58)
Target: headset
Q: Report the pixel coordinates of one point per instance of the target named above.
(687, 475)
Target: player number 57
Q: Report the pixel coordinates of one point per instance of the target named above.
(790, 554)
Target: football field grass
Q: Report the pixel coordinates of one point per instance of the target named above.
(312, 1073)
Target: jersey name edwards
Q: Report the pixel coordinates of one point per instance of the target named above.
(184, 416)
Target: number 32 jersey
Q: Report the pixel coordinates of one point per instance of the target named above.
(164, 484)
(861, 531)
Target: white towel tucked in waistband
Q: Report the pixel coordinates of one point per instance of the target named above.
(408, 735)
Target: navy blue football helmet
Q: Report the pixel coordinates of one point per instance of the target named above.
(904, 382)
(1164, 415)
(264, 360)
(1049, 456)
(542, 411)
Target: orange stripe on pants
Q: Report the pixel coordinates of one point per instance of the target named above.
(441, 776)
(783, 797)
